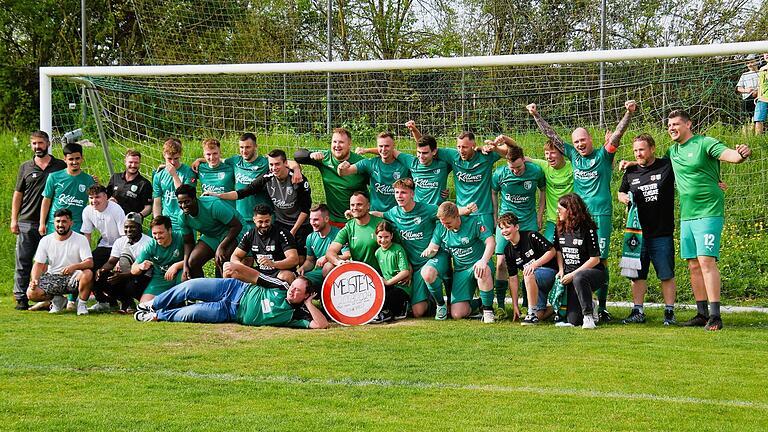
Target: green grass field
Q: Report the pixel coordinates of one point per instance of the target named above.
(108, 372)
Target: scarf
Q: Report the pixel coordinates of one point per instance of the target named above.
(558, 298)
(632, 244)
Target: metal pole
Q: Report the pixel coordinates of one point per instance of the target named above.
(602, 64)
(329, 37)
(83, 33)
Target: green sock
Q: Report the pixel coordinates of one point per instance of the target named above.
(437, 291)
(602, 293)
(487, 298)
(501, 292)
(70, 297)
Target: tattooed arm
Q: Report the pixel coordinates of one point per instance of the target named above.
(615, 137)
(546, 129)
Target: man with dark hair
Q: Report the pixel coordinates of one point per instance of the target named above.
(219, 225)
(696, 163)
(272, 248)
(381, 171)
(129, 189)
(359, 235)
(66, 189)
(652, 185)
(164, 254)
(337, 189)
(317, 244)
(258, 301)
(106, 217)
(25, 210)
(248, 165)
(62, 266)
(429, 174)
(291, 201)
(167, 178)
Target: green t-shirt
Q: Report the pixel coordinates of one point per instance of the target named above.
(381, 177)
(212, 218)
(414, 229)
(261, 306)
(430, 179)
(66, 191)
(361, 240)
(466, 245)
(471, 178)
(517, 194)
(245, 173)
(317, 245)
(218, 180)
(163, 257)
(592, 179)
(392, 261)
(162, 187)
(338, 189)
(559, 183)
(697, 172)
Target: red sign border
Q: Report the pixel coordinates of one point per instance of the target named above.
(378, 303)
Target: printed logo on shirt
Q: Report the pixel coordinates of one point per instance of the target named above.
(528, 184)
(221, 175)
(81, 188)
(134, 188)
(464, 240)
(266, 306)
(396, 175)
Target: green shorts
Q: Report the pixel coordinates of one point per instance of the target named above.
(701, 237)
(465, 284)
(316, 278)
(419, 289)
(501, 242)
(604, 229)
(158, 285)
(549, 231)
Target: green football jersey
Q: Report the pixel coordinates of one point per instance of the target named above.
(361, 240)
(431, 180)
(261, 306)
(517, 194)
(381, 177)
(471, 178)
(66, 191)
(392, 261)
(163, 188)
(559, 183)
(317, 245)
(696, 165)
(466, 245)
(245, 173)
(338, 189)
(592, 179)
(163, 258)
(212, 218)
(414, 229)
(219, 179)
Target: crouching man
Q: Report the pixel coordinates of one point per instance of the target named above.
(63, 263)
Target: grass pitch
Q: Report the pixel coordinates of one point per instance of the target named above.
(108, 372)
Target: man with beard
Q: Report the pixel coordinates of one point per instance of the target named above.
(164, 254)
(359, 235)
(25, 210)
(129, 189)
(62, 266)
(317, 244)
(218, 224)
(272, 248)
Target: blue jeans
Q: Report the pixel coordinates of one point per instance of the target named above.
(661, 252)
(545, 278)
(219, 300)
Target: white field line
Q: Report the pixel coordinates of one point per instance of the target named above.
(404, 384)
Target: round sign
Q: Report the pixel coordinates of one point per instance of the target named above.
(353, 293)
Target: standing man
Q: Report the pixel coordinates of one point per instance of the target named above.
(106, 217)
(338, 189)
(129, 189)
(761, 104)
(558, 173)
(652, 185)
(317, 245)
(696, 163)
(748, 87)
(165, 181)
(291, 201)
(381, 171)
(272, 248)
(66, 189)
(25, 210)
(430, 175)
(248, 166)
(359, 234)
(215, 176)
(592, 172)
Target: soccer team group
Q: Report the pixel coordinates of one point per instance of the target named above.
(547, 221)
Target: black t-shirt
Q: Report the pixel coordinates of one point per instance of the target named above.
(31, 182)
(289, 199)
(132, 196)
(653, 190)
(577, 247)
(271, 245)
(531, 247)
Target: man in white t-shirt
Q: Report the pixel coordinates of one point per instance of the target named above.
(121, 285)
(63, 263)
(106, 217)
(748, 89)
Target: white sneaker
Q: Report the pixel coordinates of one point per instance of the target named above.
(488, 317)
(82, 307)
(58, 304)
(71, 305)
(100, 307)
(589, 323)
(563, 324)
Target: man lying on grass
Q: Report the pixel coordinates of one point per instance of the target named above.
(245, 296)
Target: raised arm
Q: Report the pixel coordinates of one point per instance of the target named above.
(545, 128)
(615, 138)
(415, 132)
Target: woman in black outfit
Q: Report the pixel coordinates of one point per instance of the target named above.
(578, 258)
